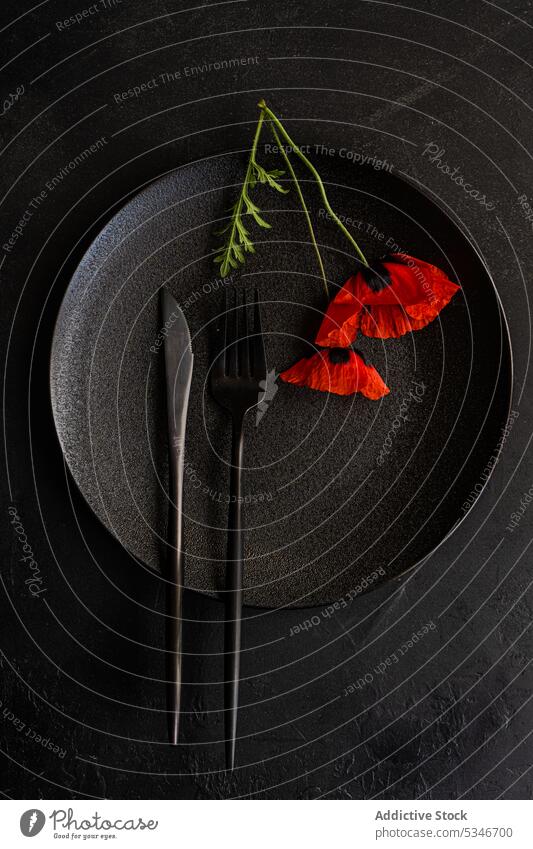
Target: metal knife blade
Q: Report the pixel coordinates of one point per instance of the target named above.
(178, 374)
(178, 363)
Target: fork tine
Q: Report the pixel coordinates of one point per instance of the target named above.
(258, 343)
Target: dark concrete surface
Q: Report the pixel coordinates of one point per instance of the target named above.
(349, 706)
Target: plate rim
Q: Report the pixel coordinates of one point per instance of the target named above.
(506, 348)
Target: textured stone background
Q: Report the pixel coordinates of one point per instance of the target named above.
(82, 664)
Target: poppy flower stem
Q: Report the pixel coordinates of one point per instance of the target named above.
(297, 186)
(238, 241)
(251, 161)
(275, 120)
(249, 170)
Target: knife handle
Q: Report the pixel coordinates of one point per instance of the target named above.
(233, 596)
(175, 586)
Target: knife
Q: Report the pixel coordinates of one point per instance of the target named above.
(178, 373)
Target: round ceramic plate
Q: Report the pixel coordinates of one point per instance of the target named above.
(341, 493)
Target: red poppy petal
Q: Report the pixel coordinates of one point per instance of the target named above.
(404, 288)
(341, 319)
(443, 291)
(417, 294)
(318, 372)
(386, 322)
(374, 387)
(436, 288)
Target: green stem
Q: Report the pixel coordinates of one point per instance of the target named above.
(253, 151)
(294, 178)
(244, 187)
(266, 111)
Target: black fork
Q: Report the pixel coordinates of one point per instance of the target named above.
(238, 381)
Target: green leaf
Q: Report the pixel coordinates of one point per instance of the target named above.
(241, 229)
(224, 266)
(237, 252)
(259, 173)
(239, 240)
(250, 205)
(261, 221)
(274, 184)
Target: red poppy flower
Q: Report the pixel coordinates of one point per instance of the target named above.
(392, 297)
(338, 370)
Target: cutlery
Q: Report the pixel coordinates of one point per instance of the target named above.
(178, 373)
(238, 381)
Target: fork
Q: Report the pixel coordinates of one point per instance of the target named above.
(238, 382)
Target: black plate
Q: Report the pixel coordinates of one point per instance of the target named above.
(342, 493)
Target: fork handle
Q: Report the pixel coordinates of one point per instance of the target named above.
(234, 594)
